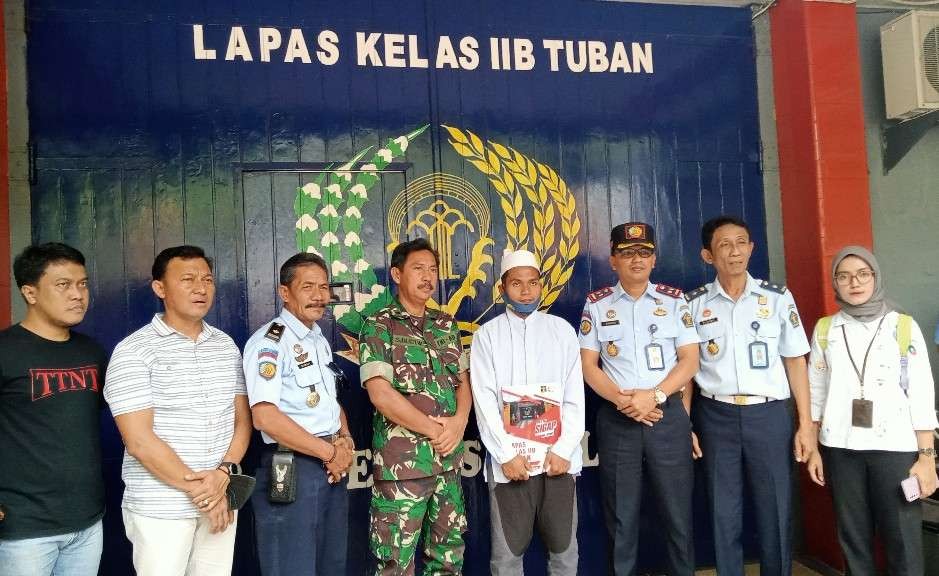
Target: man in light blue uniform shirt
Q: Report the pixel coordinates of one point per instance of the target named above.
(751, 337)
(639, 350)
(300, 501)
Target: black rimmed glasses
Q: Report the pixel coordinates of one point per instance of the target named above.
(630, 253)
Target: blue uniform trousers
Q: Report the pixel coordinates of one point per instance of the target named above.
(753, 444)
(309, 535)
(631, 453)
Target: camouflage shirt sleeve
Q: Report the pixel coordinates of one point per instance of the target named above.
(464, 353)
(375, 351)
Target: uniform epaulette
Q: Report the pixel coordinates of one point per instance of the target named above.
(668, 290)
(600, 294)
(777, 288)
(274, 332)
(696, 293)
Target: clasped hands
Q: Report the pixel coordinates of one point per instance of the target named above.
(449, 434)
(640, 405)
(208, 491)
(338, 467)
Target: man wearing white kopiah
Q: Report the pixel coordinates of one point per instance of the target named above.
(528, 389)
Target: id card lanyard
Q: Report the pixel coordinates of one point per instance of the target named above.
(862, 410)
(759, 351)
(655, 357)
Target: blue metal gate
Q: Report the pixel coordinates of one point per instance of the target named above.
(565, 118)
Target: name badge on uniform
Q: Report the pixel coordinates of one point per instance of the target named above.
(655, 358)
(759, 356)
(862, 413)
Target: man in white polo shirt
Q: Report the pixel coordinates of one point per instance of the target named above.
(528, 390)
(177, 392)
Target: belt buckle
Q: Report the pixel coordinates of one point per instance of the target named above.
(740, 399)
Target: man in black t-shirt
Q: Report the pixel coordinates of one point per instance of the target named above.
(51, 491)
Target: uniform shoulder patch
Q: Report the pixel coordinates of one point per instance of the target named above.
(585, 325)
(773, 287)
(668, 290)
(600, 294)
(696, 293)
(274, 332)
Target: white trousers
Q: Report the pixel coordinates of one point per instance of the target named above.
(183, 547)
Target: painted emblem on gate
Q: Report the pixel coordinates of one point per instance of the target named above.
(539, 214)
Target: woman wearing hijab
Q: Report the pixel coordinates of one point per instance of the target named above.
(875, 418)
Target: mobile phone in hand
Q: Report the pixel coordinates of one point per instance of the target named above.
(910, 488)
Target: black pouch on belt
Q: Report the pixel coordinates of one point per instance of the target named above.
(283, 487)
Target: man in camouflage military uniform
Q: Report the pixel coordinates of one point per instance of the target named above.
(414, 369)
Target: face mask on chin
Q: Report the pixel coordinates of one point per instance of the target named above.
(520, 308)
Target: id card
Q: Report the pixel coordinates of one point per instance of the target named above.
(862, 413)
(655, 358)
(759, 356)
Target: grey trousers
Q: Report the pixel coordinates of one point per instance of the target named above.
(517, 508)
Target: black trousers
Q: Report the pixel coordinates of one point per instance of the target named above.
(865, 485)
(631, 453)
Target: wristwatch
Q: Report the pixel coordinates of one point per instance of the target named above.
(660, 396)
(930, 452)
(229, 468)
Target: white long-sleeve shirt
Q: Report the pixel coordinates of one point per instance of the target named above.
(533, 352)
(834, 384)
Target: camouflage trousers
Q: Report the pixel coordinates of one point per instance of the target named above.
(430, 507)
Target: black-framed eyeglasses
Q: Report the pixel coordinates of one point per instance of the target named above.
(630, 253)
(862, 276)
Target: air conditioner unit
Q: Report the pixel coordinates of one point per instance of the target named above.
(910, 49)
